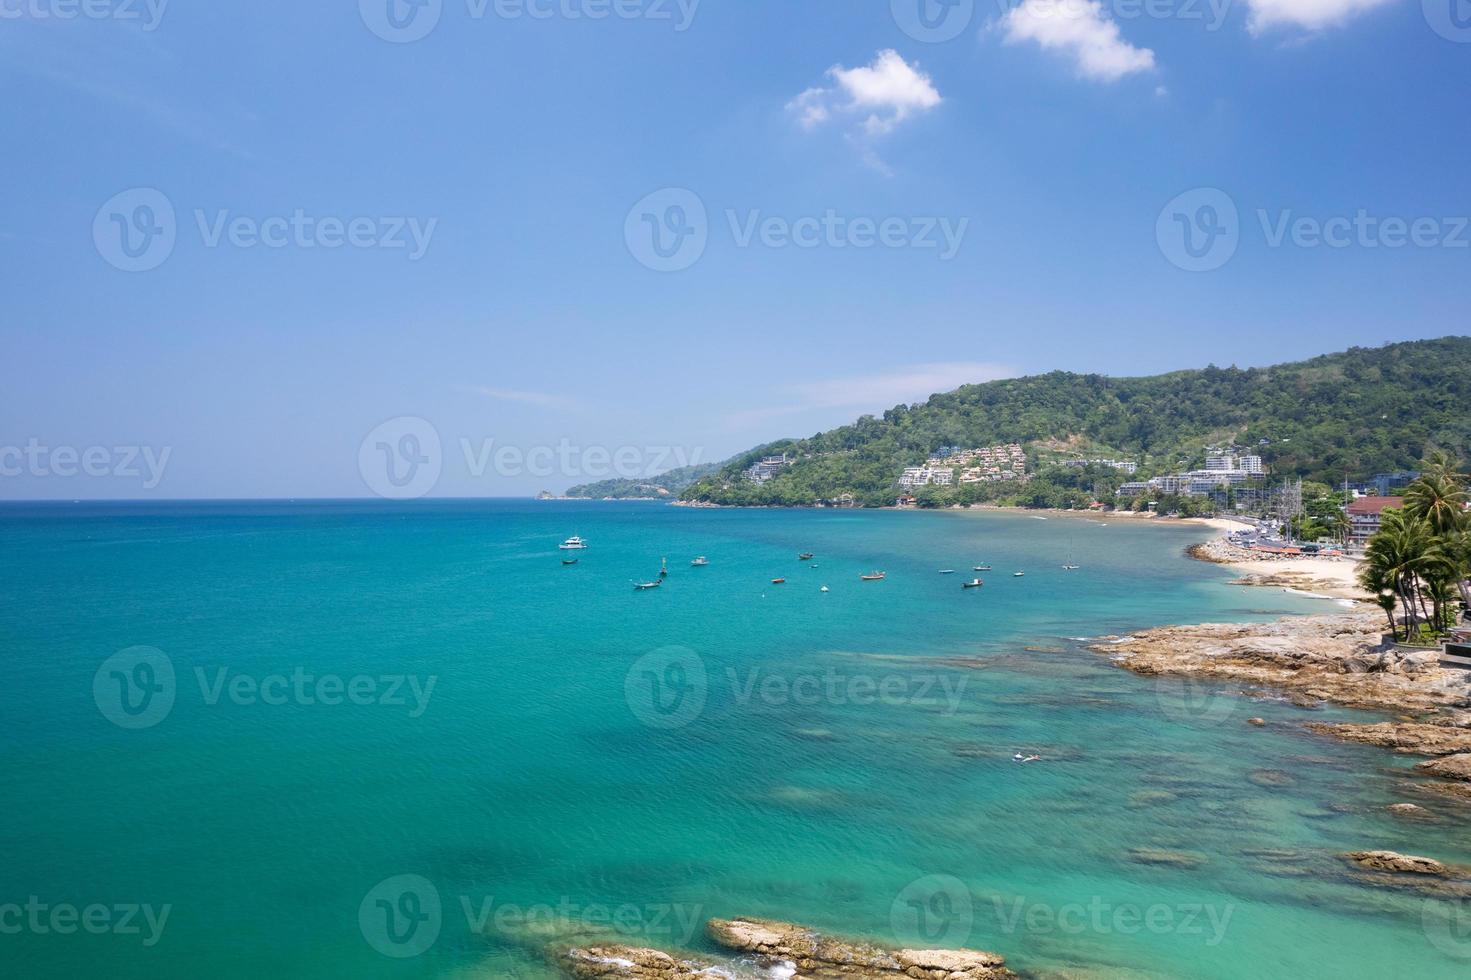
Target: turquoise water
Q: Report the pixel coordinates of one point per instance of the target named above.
(815, 757)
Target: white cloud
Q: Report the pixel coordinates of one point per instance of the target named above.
(885, 93)
(1309, 14)
(873, 392)
(1081, 29)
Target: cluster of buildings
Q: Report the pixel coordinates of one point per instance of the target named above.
(768, 467)
(1122, 465)
(1224, 471)
(951, 464)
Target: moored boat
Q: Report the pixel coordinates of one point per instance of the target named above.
(874, 576)
(700, 562)
(974, 583)
(645, 586)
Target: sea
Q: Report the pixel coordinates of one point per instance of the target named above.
(380, 739)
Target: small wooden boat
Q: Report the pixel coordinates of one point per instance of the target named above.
(645, 586)
(874, 576)
(778, 581)
(974, 583)
(569, 561)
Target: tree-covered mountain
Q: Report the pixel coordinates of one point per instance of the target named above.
(669, 484)
(1350, 414)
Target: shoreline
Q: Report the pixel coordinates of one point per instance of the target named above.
(1341, 659)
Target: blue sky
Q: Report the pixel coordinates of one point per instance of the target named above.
(453, 223)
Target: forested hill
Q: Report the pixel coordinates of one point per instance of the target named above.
(1356, 413)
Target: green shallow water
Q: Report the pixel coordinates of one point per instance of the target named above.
(815, 757)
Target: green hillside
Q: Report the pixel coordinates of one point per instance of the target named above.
(1354, 414)
(671, 483)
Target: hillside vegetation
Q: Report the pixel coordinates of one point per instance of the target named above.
(1355, 413)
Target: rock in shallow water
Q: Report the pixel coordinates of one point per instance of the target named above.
(781, 945)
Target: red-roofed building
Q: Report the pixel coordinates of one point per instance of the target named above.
(1365, 516)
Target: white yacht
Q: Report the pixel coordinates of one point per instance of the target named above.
(573, 543)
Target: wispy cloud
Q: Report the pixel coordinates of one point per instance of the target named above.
(872, 392)
(1083, 31)
(540, 399)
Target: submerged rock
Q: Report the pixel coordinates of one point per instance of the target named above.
(1270, 778)
(1165, 857)
(1410, 811)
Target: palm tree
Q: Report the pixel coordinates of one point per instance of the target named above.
(1375, 577)
(1438, 499)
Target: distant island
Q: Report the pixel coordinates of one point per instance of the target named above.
(666, 486)
(1186, 442)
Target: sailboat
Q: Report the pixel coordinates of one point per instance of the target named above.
(663, 567)
(1071, 566)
